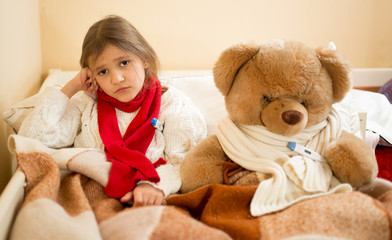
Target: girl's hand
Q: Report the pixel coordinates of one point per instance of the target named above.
(82, 81)
(144, 195)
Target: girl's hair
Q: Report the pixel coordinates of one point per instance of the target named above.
(119, 32)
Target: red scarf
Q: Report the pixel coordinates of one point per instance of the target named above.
(127, 154)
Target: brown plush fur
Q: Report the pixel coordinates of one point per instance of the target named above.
(201, 167)
(285, 86)
(351, 165)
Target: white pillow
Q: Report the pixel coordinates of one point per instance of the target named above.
(202, 91)
(15, 115)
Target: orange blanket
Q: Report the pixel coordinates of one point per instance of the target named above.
(74, 206)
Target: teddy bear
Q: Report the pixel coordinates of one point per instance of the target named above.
(282, 131)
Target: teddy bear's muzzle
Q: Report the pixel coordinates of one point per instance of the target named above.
(285, 117)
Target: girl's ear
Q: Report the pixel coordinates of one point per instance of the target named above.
(96, 85)
(146, 65)
(229, 63)
(338, 69)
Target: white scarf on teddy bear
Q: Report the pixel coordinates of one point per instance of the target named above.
(286, 177)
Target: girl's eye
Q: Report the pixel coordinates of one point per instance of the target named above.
(103, 72)
(123, 63)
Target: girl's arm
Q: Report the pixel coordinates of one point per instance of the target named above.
(55, 120)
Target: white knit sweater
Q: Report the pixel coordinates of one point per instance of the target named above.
(61, 122)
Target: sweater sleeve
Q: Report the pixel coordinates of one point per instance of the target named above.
(55, 120)
(184, 128)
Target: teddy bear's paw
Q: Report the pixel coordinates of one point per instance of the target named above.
(199, 174)
(201, 167)
(351, 160)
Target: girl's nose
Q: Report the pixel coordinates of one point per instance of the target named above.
(117, 77)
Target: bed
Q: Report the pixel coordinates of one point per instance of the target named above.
(213, 212)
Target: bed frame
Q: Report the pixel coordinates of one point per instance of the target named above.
(12, 197)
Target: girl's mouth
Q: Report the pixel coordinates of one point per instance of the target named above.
(123, 89)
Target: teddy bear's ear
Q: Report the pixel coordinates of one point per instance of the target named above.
(229, 63)
(338, 69)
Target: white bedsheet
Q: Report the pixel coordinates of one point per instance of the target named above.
(379, 112)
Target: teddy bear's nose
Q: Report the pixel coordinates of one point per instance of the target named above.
(292, 117)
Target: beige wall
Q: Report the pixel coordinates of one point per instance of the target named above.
(191, 34)
(185, 34)
(20, 63)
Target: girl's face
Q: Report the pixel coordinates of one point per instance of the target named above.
(119, 74)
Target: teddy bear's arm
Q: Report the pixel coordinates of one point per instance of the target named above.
(200, 167)
(351, 160)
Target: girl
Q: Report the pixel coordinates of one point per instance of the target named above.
(112, 104)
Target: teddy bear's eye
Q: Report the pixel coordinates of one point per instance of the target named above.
(267, 99)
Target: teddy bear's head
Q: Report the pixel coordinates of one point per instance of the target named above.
(283, 85)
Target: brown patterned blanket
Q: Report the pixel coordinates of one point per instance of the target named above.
(65, 200)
